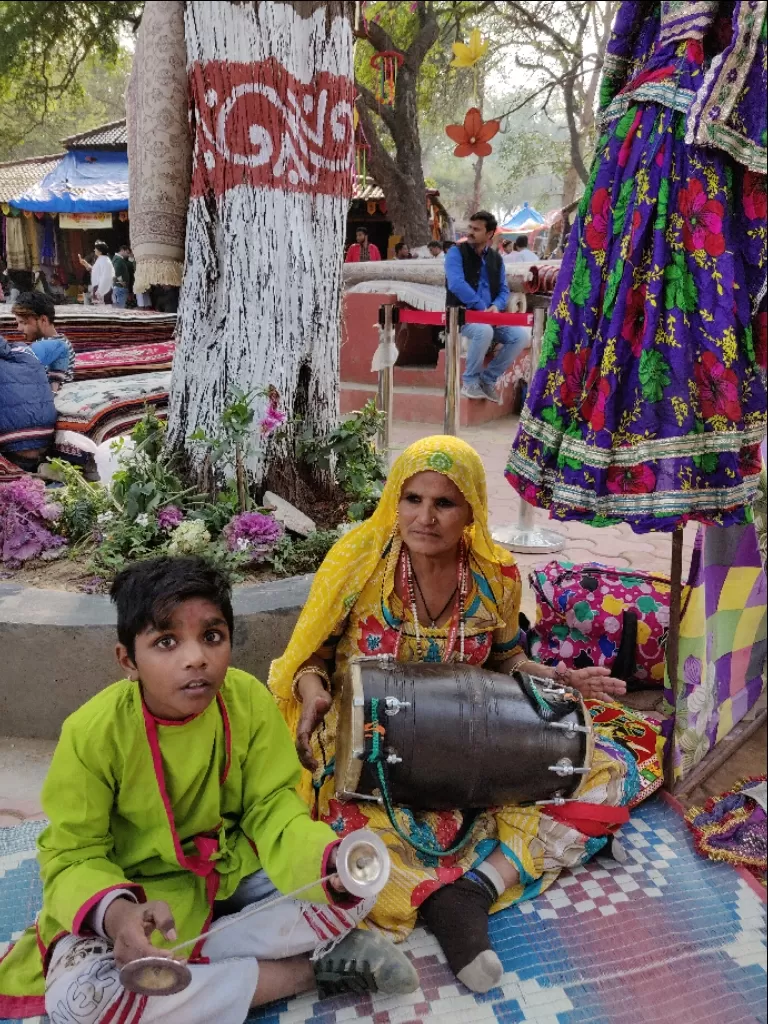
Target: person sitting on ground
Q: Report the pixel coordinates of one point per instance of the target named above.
(476, 280)
(518, 251)
(121, 289)
(389, 587)
(36, 320)
(171, 799)
(102, 273)
(436, 250)
(27, 413)
(402, 251)
(363, 251)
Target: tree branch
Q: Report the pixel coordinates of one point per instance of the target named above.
(539, 25)
(573, 131)
(379, 38)
(379, 155)
(386, 114)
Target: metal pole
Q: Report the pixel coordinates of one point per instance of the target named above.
(386, 395)
(452, 373)
(525, 537)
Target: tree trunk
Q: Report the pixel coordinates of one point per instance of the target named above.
(477, 186)
(571, 182)
(272, 90)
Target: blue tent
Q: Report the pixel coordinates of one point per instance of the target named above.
(85, 181)
(526, 218)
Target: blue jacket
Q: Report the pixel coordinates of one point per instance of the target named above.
(27, 412)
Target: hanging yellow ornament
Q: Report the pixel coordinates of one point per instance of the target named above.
(466, 55)
(6, 209)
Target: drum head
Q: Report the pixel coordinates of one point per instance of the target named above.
(350, 734)
(155, 976)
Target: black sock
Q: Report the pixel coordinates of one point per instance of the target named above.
(457, 915)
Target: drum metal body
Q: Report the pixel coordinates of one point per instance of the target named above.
(460, 736)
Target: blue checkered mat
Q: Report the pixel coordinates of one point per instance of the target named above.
(666, 937)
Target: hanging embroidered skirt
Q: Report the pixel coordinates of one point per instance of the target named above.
(649, 402)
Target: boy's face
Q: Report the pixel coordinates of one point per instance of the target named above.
(181, 668)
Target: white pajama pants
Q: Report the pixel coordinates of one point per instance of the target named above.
(83, 982)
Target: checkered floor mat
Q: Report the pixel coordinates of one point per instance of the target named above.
(665, 938)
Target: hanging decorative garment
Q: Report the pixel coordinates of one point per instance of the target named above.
(387, 63)
(473, 136)
(649, 403)
(362, 152)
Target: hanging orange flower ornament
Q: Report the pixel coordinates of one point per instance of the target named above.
(473, 136)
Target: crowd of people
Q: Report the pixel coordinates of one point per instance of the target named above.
(362, 250)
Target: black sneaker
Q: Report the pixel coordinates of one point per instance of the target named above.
(365, 961)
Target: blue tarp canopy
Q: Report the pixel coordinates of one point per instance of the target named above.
(86, 181)
(526, 218)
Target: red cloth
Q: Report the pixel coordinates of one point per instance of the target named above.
(353, 253)
(589, 819)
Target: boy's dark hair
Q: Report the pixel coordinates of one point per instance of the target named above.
(435, 245)
(101, 247)
(146, 594)
(34, 304)
(447, 246)
(487, 218)
(521, 242)
(361, 228)
(400, 246)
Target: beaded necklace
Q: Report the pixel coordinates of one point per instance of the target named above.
(458, 620)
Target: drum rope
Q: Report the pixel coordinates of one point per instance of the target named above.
(375, 758)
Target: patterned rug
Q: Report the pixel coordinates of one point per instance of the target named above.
(666, 938)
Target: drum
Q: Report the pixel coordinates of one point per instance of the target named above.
(458, 736)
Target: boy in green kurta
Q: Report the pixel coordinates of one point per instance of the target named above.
(172, 802)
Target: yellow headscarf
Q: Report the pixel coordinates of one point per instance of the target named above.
(353, 560)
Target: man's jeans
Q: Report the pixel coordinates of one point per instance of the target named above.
(480, 337)
(119, 296)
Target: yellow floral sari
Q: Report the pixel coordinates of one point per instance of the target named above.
(354, 595)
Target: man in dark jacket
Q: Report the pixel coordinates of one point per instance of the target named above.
(476, 279)
(27, 412)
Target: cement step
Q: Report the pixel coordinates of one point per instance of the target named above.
(418, 404)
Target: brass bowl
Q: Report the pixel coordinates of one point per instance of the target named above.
(155, 976)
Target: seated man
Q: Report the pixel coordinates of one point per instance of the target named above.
(402, 251)
(27, 412)
(436, 250)
(35, 315)
(518, 251)
(476, 280)
(172, 801)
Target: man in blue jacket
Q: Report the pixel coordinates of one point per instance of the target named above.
(27, 412)
(476, 279)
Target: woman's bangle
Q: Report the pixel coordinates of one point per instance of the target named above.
(309, 670)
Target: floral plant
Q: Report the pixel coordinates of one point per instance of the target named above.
(26, 518)
(253, 534)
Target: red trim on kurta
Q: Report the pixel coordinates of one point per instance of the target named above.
(128, 1009)
(94, 901)
(343, 901)
(227, 738)
(116, 1005)
(22, 1006)
(45, 951)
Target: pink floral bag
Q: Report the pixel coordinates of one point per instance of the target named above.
(593, 614)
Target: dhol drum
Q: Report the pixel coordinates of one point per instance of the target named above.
(458, 736)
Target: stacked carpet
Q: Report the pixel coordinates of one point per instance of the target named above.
(124, 361)
(105, 407)
(100, 327)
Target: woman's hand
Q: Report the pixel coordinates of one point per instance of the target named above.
(595, 683)
(316, 703)
(130, 925)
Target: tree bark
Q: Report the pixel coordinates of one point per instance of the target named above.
(570, 184)
(272, 92)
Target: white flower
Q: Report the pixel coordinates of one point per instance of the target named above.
(105, 518)
(142, 520)
(189, 538)
(243, 545)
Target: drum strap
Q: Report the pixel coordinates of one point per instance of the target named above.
(377, 761)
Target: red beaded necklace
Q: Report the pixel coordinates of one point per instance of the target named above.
(458, 620)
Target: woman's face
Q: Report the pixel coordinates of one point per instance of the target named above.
(433, 514)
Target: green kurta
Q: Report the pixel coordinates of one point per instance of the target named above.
(178, 811)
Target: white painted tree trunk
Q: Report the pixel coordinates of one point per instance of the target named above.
(272, 93)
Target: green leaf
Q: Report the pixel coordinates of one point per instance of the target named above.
(749, 344)
(622, 128)
(680, 291)
(654, 375)
(662, 206)
(550, 415)
(612, 290)
(550, 341)
(622, 204)
(581, 284)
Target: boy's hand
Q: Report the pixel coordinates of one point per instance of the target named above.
(335, 882)
(314, 709)
(129, 925)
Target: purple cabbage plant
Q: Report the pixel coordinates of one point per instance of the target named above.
(253, 534)
(25, 518)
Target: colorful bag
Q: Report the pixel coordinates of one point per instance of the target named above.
(593, 614)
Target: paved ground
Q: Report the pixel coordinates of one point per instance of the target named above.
(23, 763)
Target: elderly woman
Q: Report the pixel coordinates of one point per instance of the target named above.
(423, 581)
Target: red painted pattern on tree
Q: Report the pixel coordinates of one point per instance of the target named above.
(257, 125)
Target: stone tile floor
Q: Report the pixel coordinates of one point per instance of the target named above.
(23, 763)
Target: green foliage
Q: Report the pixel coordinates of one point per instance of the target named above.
(349, 453)
(581, 284)
(680, 290)
(230, 447)
(299, 557)
(149, 477)
(654, 375)
(55, 59)
(81, 502)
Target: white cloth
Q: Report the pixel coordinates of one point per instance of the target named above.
(102, 277)
(520, 256)
(83, 981)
